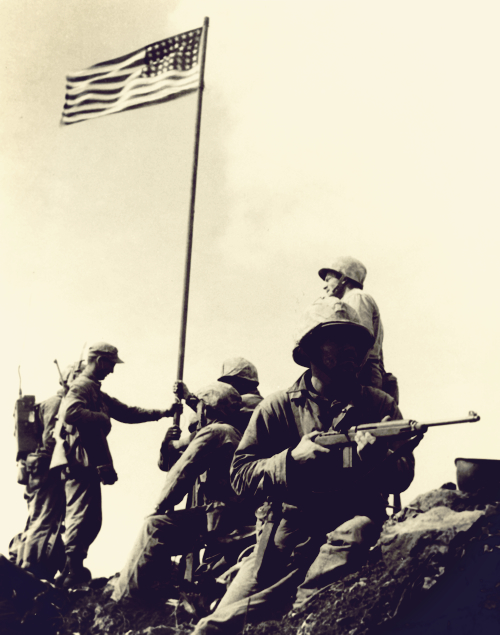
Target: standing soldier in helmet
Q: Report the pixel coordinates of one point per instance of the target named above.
(85, 421)
(215, 509)
(41, 539)
(344, 279)
(326, 506)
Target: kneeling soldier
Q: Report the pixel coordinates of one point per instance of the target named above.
(216, 511)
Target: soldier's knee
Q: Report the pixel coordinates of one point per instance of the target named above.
(357, 530)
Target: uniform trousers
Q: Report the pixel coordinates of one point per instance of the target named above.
(162, 536)
(46, 507)
(297, 564)
(83, 510)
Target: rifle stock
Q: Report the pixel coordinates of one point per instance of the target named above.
(403, 428)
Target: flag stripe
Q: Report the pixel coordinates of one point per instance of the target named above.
(133, 93)
(132, 81)
(132, 60)
(159, 72)
(151, 101)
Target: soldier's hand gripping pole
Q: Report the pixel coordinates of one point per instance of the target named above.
(173, 433)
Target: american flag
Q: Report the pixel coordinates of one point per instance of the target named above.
(154, 74)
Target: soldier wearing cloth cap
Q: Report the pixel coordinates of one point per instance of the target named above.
(325, 508)
(344, 279)
(81, 446)
(215, 513)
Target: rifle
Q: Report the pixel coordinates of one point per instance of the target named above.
(401, 428)
(62, 381)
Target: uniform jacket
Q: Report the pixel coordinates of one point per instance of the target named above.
(38, 462)
(203, 468)
(263, 466)
(369, 315)
(47, 412)
(250, 401)
(84, 421)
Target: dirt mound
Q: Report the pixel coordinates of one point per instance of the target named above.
(435, 570)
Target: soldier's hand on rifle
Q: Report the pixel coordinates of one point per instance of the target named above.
(307, 450)
(371, 448)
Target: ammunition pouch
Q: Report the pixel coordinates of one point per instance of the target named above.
(22, 472)
(37, 464)
(37, 468)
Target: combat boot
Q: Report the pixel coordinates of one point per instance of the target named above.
(74, 574)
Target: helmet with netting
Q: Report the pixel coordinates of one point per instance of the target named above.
(239, 367)
(220, 399)
(332, 313)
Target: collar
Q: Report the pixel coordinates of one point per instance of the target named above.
(89, 378)
(303, 389)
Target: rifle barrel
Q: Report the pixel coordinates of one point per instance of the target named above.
(472, 418)
(407, 424)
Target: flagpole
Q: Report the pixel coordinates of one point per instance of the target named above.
(189, 240)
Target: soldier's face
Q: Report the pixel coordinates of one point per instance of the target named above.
(338, 352)
(331, 283)
(104, 367)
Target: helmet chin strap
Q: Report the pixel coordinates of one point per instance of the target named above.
(339, 290)
(201, 411)
(363, 362)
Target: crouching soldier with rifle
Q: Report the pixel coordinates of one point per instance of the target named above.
(326, 506)
(216, 518)
(82, 448)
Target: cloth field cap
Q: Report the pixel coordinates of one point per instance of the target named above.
(102, 349)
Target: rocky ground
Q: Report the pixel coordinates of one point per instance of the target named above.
(435, 570)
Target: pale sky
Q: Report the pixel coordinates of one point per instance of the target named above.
(357, 128)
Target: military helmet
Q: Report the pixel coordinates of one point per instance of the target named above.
(347, 266)
(239, 367)
(221, 398)
(102, 349)
(331, 312)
